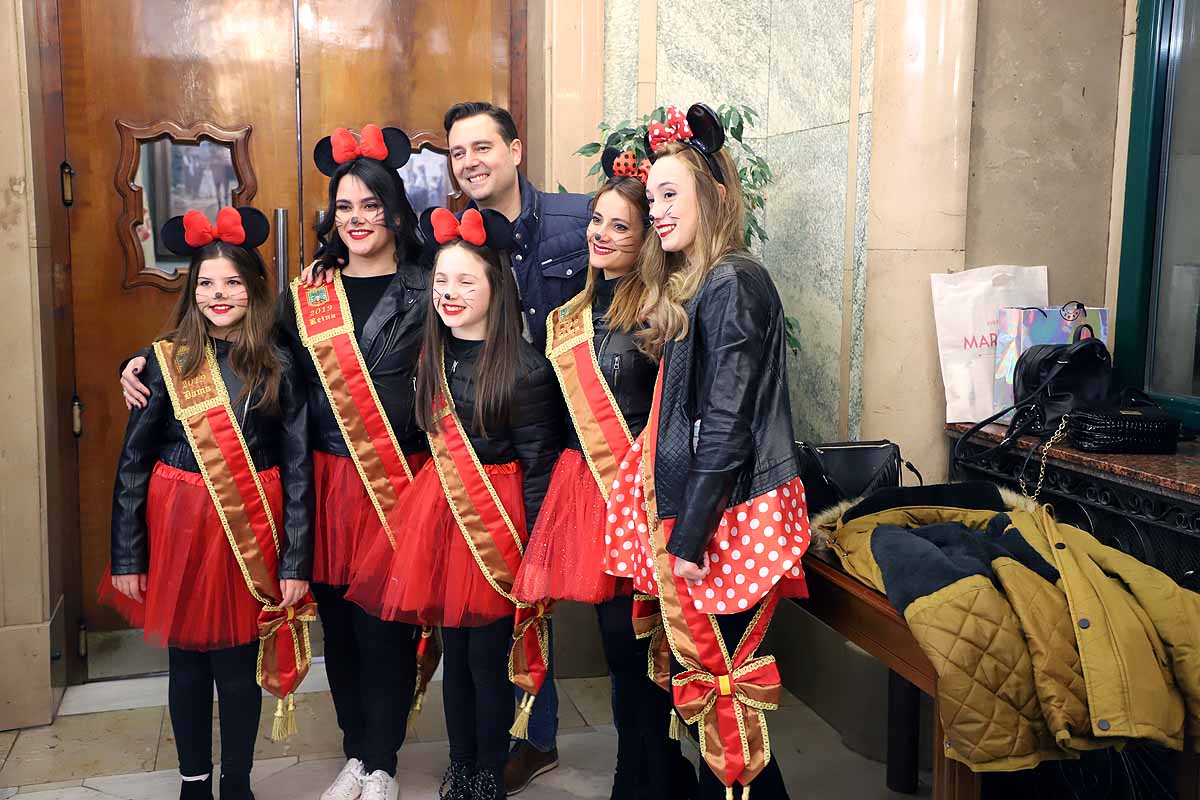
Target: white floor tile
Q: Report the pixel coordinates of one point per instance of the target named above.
(73, 793)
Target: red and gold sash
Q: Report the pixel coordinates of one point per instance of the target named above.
(494, 541)
(327, 332)
(723, 693)
(201, 404)
(603, 433)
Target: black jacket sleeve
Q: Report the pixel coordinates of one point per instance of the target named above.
(731, 323)
(537, 432)
(295, 459)
(143, 438)
(145, 352)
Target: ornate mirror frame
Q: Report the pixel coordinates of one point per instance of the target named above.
(132, 138)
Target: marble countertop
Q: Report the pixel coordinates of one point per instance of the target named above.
(1177, 473)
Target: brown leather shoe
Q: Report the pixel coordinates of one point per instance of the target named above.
(525, 763)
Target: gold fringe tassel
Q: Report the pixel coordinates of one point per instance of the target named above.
(746, 792)
(284, 724)
(415, 711)
(520, 726)
(728, 793)
(676, 729)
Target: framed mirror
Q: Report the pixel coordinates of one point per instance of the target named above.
(166, 169)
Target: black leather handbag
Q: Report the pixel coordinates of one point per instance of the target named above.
(839, 471)
(1136, 424)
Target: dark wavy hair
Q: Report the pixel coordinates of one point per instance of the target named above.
(498, 367)
(388, 187)
(501, 116)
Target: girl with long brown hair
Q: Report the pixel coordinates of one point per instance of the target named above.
(607, 384)
(490, 408)
(715, 524)
(223, 403)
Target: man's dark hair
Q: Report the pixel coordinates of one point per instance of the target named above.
(503, 119)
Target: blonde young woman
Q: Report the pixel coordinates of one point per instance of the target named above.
(714, 510)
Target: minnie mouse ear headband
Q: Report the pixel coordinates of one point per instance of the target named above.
(624, 164)
(700, 130)
(245, 227)
(387, 145)
(485, 228)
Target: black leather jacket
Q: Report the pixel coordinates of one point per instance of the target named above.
(628, 372)
(725, 428)
(390, 344)
(273, 439)
(534, 435)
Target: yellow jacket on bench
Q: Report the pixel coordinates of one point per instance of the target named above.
(1045, 641)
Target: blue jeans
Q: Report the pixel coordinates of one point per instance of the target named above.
(543, 722)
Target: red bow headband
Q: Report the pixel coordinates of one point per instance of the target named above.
(369, 145)
(198, 231)
(675, 129)
(447, 227)
(625, 165)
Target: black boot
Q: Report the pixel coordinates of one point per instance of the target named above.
(629, 779)
(488, 785)
(236, 787)
(196, 790)
(456, 783)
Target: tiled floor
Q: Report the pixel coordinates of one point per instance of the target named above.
(124, 750)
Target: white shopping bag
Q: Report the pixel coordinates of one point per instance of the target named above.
(964, 311)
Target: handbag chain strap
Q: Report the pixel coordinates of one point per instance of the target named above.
(1058, 434)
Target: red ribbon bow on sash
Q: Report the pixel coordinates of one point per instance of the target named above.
(198, 231)
(369, 145)
(626, 165)
(447, 227)
(675, 129)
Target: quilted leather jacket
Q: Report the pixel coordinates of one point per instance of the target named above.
(390, 344)
(627, 371)
(534, 435)
(725, 427)
(1046, 642)
(154, 434)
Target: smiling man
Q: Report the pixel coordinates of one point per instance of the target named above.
(550, 260)
(549, 228)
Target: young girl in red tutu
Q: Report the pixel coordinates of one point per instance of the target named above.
(608, 385)
(489, 404)
(218, 454)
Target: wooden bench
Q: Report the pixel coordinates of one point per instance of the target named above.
(865, 617)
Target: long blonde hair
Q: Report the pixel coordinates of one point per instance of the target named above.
(672, 278)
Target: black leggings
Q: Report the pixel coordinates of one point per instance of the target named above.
(372, 669)
(189, 694)
(476, 693)
(769, 783)
(647, 758)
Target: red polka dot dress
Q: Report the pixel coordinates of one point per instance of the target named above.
(757, 544)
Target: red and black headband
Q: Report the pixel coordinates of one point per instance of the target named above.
(487, 228)
(244, 227)
(624, 164)
(389, 146)
(700, 129)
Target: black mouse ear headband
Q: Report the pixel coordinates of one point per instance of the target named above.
(624, 164)
(485, 228)
(245, 227)
(700, 130)
(387, 145)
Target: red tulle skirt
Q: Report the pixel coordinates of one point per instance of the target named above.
(196, 597)
(346, 520)
(564, 559)
(432, 578)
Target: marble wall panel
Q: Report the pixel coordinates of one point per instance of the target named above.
(810, 64)
(620, 59)
(858, 294)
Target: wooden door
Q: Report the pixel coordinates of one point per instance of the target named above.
(171, 69)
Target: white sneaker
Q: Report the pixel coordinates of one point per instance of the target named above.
(348, 785)
(379, 786)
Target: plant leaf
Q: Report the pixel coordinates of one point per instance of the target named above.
(589, 149)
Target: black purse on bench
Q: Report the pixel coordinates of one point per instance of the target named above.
(839, 471)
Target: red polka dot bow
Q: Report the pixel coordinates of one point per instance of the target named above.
(626, 165)
(370, 144)
(198, 231)
(674, 129)
(447, 227)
